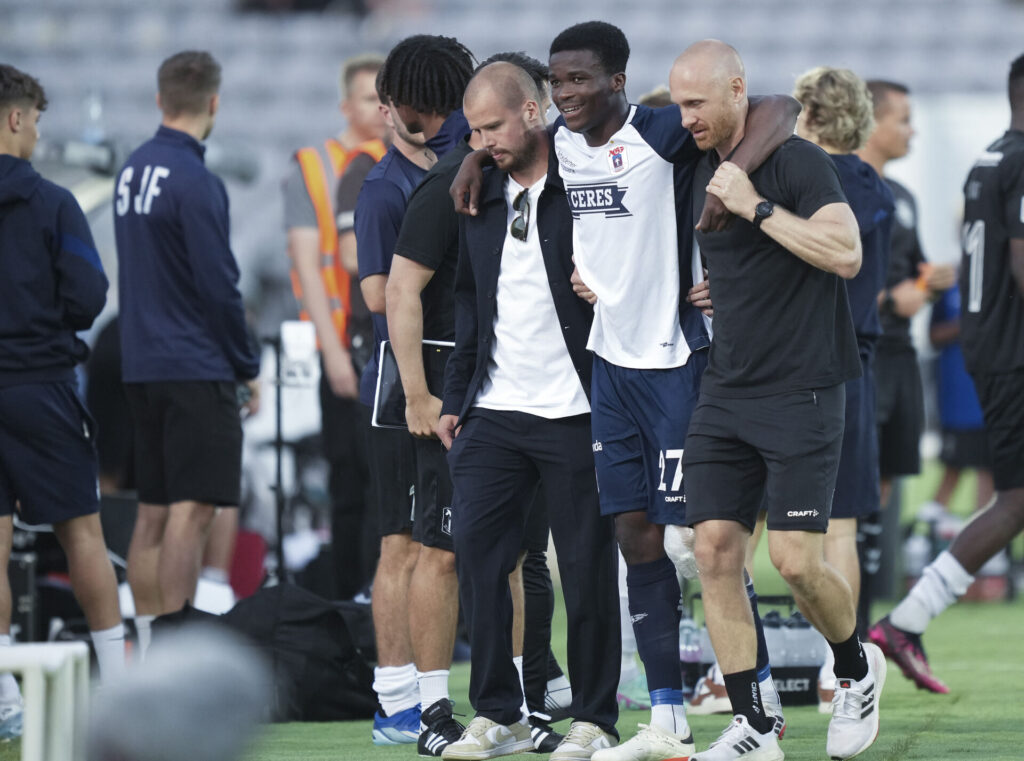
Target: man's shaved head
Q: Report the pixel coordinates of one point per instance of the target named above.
(511, 83)
(713, 60)
(708, 84)
(502, 106)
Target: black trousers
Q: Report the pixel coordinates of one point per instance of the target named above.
(497, 462)
(344, 427)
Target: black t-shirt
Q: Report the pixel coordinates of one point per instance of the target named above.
(992, 308)
(780, 324)
(904, 256)
(430, 236)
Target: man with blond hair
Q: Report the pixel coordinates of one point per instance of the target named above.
(837, 117)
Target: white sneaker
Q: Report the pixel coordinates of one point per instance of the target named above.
(651, 743)
(854, 724)
(485, 739)
(582, 742)
(710, 695)
(740, 740)
(11, 716)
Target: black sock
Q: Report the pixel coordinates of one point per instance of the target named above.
(745, 696)
(851, 663)
(654, 600)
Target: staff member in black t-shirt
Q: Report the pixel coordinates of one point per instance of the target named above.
(910, 283)
(769, 424)
(992, 330)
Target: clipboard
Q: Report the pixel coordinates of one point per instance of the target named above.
(389, 397)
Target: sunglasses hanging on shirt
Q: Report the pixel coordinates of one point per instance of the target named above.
(520, 226)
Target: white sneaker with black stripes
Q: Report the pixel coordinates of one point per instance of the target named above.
(854, 724)
(741, 741)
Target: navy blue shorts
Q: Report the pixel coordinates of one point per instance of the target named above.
(857, 489)
(639, 420)
(47, 453)
(778, 453)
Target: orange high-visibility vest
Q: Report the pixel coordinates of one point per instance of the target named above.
(336, 279)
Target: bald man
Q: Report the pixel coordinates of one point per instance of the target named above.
(767, 430)
(515, 415)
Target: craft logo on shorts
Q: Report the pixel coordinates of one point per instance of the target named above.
(617, 159)
(601, 198)
(802, 514)
(446, 520)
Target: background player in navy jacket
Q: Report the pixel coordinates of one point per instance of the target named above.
(52, 286)
(183, 337)
(837, 117)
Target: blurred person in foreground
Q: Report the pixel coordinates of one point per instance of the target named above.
(198, 696)
(187, 359)
(52, 286)
(992, 333)
(837, 117)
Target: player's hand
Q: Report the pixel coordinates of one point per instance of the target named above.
(580, 288)
(446, 430)
(714, 217)
(700, 296)
(341, 375)
(465, 189)
(421, 415)
(735, 189)
(252, 406)
(937, 277)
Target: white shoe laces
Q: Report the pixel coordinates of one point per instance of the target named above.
(582, 733)
(848, 702)
(735, 728)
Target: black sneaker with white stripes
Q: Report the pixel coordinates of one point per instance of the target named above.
(741, 741)
(545, 739)
(440, 728)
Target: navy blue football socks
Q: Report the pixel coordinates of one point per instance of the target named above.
(654, 600)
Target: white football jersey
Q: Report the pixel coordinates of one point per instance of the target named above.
(632, 235)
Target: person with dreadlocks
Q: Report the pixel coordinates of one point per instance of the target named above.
(421, 83)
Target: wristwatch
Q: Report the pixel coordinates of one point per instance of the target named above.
(762, 211)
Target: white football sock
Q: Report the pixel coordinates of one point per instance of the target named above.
(396, 688)
(433, 687)
(518, 661)
(671, 718)
(770, 697)
(941, 583)
(9, 691)
(109, 645)
(144, 630)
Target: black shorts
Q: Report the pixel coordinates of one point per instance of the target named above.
(392, 478)
(432, 518)
(857, 481)
(900, 412)
(1002, 401)
(779, 453)
(965, 449)
(188, 441)
(47, 453)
